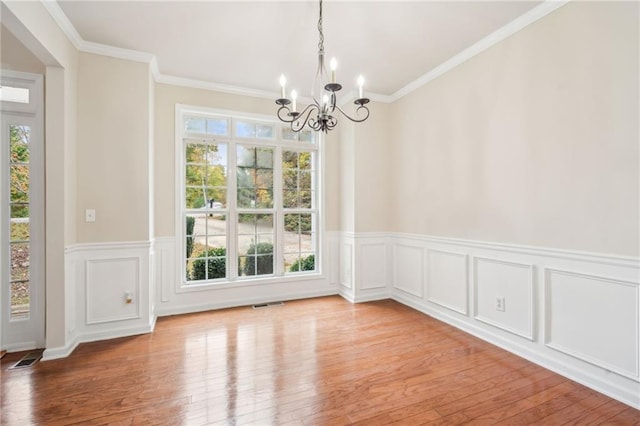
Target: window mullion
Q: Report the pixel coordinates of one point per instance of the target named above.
(278, 213)
(232, 219)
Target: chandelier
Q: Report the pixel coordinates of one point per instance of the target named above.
(320, 114)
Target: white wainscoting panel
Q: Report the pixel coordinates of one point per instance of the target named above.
(583, 324)
(447, 280)
(408, 269)
(373, 265)
(595, 319)
(100, 275)
(346, 265)
(332, 256)
(512, 282)
(107, 283)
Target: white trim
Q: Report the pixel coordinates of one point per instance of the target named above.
(61, 351)
(465, 309)
(114, 245)
(530, 282)
(497, 36)
(566, 369)
(547, 339)
(591, 257)
(216, 87)
(63, 22)
(234, 303)
(31, 114)
(90, 314)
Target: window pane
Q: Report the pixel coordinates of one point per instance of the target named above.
(246, 156)
(217, 126)
(207, 238)
(19, 230)
(195, 125)
(288, 134)
(195, 197)
(19, 142)
(255, 244)
(306, 136)
(264, 158)
(14, 94)
(255, 177)
(195, 175)
(304, 180)
(216, 198)
(19, 183)
(19, 261)
(19, 210)
(20, 300)
(196, 153)
(305, 161)
(297, 179)
(264, 131)
(245, 129)
(299, 250)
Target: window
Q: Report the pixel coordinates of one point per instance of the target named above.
(248, 198)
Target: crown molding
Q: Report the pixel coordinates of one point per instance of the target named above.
(63, 22)
(497, 36)
(216, 87)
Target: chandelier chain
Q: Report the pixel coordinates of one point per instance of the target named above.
(321, 38)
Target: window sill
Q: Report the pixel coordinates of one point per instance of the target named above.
(216, 285)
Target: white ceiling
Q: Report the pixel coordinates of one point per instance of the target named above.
(249, 44)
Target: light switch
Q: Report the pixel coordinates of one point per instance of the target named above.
(89, 215)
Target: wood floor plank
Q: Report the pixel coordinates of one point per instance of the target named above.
(319, 361)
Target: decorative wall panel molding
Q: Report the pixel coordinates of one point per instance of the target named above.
(346, 265)
(589, 319)
(100, 276)
(504, 296)
(408, 268)
(595, 319)
(373, 265)
(109, 282)
(447, 280)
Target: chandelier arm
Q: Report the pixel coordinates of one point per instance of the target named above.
(288, 118)
(355, 120)
(298, 123)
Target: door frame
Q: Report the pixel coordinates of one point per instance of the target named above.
(28, 334)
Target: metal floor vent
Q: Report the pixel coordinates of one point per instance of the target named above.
(267, 305)
(28, 360)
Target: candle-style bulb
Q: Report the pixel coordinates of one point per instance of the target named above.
(360, 86)
(333, 64)
(294, 96)
(283, 82)
(325, 102)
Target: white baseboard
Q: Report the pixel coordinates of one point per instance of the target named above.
(624, 394)
(233, 303)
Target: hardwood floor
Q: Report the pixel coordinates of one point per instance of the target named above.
(319, 361)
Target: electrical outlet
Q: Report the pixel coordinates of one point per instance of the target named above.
(89, 215)
(500, 303)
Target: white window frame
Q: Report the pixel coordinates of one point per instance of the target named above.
(231, 211)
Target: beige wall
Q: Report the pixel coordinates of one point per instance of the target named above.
(166, 98)
(373, 147)
(113, 149)
(15, 56)
(534, 141)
